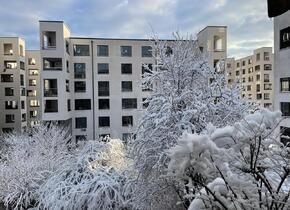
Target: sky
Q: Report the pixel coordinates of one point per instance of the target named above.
(248, 24)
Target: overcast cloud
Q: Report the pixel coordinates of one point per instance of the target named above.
(247, 21)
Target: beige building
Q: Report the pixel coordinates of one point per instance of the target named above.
(255, 75)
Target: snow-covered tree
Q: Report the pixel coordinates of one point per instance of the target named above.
(242, 166)
(187, 95)
(92, 179)
(27, 160)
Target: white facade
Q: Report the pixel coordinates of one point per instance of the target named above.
(282, 71)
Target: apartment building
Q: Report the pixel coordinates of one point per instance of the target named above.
(282, 73)
(93, 84)
(255, 74)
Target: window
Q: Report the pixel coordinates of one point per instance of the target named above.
(23, 117)
(244, 71)
(8, 49)
(285, 108)
(31, 93)
(53, 64)
(67, 47)
(80, 87)
(82, 104)
(285, 38)
(250, 70)
(22, 65)
(215, 62)
(238, 65)
(50, 87)
(250, 61)
(249, 87)
(259, 96)
(50, 106)
(81, 50)
(10, 64)
(127, 120)
(243, 79)
(11, 105)
(266, 78)
(267, 96)
(127, 86)
(103, 68)
(243, 63)
(31, 61)
(104, 103)
(7, 130)
(104, 121)
(67, 85)
(104, 136)
(126, 51)
(10, 118)
(81, 122)
(68, 105)
(33, 72)
(267, 67)
(21, 50)
(251, 79)
(145, 103)
(67, 66)
(32, 82)
(103, 50)
(80, 70)
(127, 137)
(33, 114)
(103, 88)
(129, 103)
(81, 138)
(126, 68)
(34, 103)
(146, 51)
(285, 84)
(268, 86)
(6, 77)
(257, 68)
(267, 105)
(258, 88)
(9, 91)
(218, 43)
(49, 40)
(266, 56)
(237, 73)
(258, 57)
(146, 68)
(22, 104)
(258, 77)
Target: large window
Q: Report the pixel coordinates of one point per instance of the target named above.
(8, 49)
(6, 77)
(146, 51)
(104, 103)
(127, 86)
(80, 70)
(53, 64)
(50, 87)
(285, 38)
(103, 68)
(104, 121)
(9, 91)
(10, 64)
(50, 106)
(127, 120)
(285, 108)
(81, 122)
(103, 88)
(285, 84)
(126, 51)
(11, 105)
(129, 103)
(126, 68)
(82, 104)
(49, 40)
(80, 87)
(10, 118)
(103, 50)
(81, 50)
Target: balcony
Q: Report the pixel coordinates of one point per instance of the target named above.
(52, 64)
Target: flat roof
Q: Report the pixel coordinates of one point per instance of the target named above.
(212, 27)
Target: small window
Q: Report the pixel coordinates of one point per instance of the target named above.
(9, 91)
(267, 67)
(103, 68)
(257, 68)
(104, 121)
(266, 56)
(127, 120)
(259, 96)
(266, 78)
(80, 87)
(22, 65)
(238, 65)
(80, 70)
(103, 50)
(244, 71)
(67, 47)
(104, 103)
(285, 108)
(52, 64)
(68, 105)
(258, 77)
(10, 64)
(127, 86)
(21, 50)
(8, 49)
(81, 50)
(81, 122)
(67, 85)
(267, 96)
(103, 88)
(126, 51)
(82, 104)
(285, 84)
(32, 82)
(258, 87)
(250, 70)
(31, 61)
(237, 73)
(249, 87)
(11, 105)
(243, 63)
(146, 51)
(23, 117)
(22, 80)
(126, 68)
(34, 103)
(10, 118)
(31, 93)
(6, 77)
(50, 106)
(258, 57)
(129, 103)
(22, 104)
(33, 72)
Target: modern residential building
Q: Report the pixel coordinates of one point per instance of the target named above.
(93, 84)
(255, 74)
(282, 73)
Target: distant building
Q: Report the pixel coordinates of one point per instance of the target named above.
(255, 74)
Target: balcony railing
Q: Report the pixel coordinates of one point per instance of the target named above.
(51, 92)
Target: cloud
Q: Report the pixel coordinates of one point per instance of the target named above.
(248, 24)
